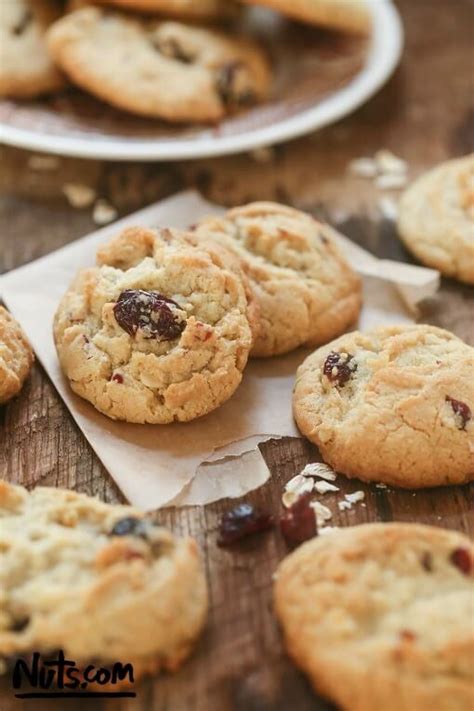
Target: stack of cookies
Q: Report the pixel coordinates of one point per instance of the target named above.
(177, 60)
(162, 328)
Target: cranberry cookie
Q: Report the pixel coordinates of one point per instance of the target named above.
(16, 357)
(159, 69)
(306, 291)
(26, 69)
(159, 331)
(99, 582)
(379, 616)
(393, 405)
(436, 218)
(346, 15)
(185, 9)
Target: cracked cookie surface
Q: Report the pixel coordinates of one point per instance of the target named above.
(100, 582)
(395, 405)
(158, 331)
(159, 69)
(16, 356)
(378, 616)
(26, 69)
(436, 218)
(306, 292)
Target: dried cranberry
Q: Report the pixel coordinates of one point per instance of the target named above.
(461, 558)
(117, 378)
(339, 367)
(129, 527)
(461, 410)
(427, 562)
(150, 312)
(298, 523)
(228, 86)
(242, 521)
(407, 635)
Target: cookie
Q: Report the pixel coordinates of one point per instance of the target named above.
(436, 218)
(26, 69)
(100, 582)
(379, 616)
(159, 69)
(159, 331)
(16, 357)
(306, 292)
(394, 405)
(351, 16)
(185, 9)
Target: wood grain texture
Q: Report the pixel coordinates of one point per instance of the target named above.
(425, 114)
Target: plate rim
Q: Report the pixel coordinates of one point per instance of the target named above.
(383, 57)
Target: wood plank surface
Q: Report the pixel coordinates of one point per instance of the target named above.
(425, 114)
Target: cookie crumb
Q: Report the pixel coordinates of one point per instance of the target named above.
(389, 181)
(264, 154)
(296, 487)
(388, 208)
(388, 163)
(43, 163)
(104, 212)
(78, 195)
(363, 167)
(355, 497)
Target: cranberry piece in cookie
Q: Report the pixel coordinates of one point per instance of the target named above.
(152, 313)
(461, 410)
(461, 558)
(339, 367)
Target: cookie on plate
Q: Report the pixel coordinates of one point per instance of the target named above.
(436, 218)
(306, 291)
(159, 331)
(185, 9)
(159, 69)
(395, 405)
(26, 69)
(351, 16)
(379, 616)
(16, 357)
(100, 582)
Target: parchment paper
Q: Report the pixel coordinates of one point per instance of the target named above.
(214, 456)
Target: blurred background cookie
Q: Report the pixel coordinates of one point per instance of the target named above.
(16, 356)
(378, 615)
(165, 70)
(436, 218)
(26, 69)
(98, 581)
(346, 15)
(185, 9)
(306, 291)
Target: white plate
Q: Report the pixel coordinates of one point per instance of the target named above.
(321, 77)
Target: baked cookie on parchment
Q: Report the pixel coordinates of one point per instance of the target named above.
(394, 405)
(16, 356)
(160, 69)
(379, 616)
(306, 291)
(100, 582)
(436, 218)
(346, 15)
(26, 69)
(158, 331)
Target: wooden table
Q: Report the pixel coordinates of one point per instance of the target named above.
(424, 115)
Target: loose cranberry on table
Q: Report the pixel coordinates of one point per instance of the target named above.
(298, 523)
(242, 521)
